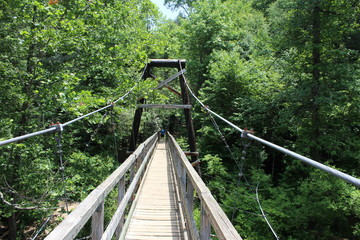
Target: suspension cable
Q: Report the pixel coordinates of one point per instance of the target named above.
(240, 166)
(249, 135)
(263, 214)
(16, 139)
(42, 227)
(62, 169)
(241, 174)
(54, 128)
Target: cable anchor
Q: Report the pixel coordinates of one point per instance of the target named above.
(58, 126)
(246, 132)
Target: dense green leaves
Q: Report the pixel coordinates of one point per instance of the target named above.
(288, 69)
(290, 72)
(60, 60)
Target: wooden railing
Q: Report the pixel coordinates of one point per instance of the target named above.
(93, 204)
(211, 213)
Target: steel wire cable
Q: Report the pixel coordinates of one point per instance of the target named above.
(245, 134)
(109, 105)
(263, 214)
(241, 165)
(62, 169)
(59, 127)
(42, 227)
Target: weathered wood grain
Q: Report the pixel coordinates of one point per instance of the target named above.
(71, 226)
(168, 80)
(219, 221)
(156, 213)
(119, 213)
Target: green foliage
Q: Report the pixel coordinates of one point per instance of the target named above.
(290, 72)
(179, 3)
(322, 204)
(288, 69)
(80, 168)
(58, 62)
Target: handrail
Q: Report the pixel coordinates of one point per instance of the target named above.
(93, 203)
(115, 220)
(211, 212)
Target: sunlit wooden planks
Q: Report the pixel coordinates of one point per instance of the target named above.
(157, 214)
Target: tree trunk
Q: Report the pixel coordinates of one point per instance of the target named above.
(12, 227)
(316, 75)
(28, 85)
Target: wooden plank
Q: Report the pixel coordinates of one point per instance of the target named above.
(167, 106)
(172, 90)
(121, 194)
(166, 63)
(118, 215)
(219, 221)
(156, 213)
(190, 222)
(190, 195)
(188, 116)
(70, 227)
(191, 153)
(168, 80)
(142, 237)
(197, 162)
(97, 223)
(205, 228)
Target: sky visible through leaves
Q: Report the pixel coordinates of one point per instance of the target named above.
(165, 10)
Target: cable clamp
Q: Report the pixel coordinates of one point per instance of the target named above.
(206, 109)
(246, 132)
(58, 126)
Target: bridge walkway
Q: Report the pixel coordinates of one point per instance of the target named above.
(165, 185)
(157, 211)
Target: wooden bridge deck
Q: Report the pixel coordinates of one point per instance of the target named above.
(157, 213)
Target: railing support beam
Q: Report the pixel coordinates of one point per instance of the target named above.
(93, 205)
(190, 196)
(212, 216)
(121, 194)
(97, 223)
(205, 228)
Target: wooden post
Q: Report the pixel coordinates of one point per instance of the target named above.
(135, 127)
(188, 117)
(168, 63)
(190, 195)
(139, 161)
(121, 194)
(178, 163)
(183, 177)
(70, 227)
(97, 223)
(205, 228)
(132, 171)
(212, 216)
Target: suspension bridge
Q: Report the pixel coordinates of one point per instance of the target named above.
(157, 186)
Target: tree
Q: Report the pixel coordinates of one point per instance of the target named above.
(294, 81)
(60, 60)
(311, 38)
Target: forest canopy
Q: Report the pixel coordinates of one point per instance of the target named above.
(290, 70)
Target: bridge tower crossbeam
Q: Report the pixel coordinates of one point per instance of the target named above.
(179, 64)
